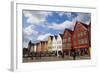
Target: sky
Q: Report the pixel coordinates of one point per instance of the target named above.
(38, 25)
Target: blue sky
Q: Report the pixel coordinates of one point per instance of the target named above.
(38, 25)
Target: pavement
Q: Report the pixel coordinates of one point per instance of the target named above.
(46, 59)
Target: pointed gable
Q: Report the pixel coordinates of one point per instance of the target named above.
(67, 32)
(61, 35)
(80, 25)
(55, 36)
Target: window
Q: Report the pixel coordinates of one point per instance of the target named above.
(64, 40)
(59, 42)
(64, 45)
(59, 46)
(85, 40)
(81, 41)
(69, 39)
(85, 33)
(81, 34)
(68, 45)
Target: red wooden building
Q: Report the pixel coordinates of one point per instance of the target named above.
(81, 38)
(67, 41)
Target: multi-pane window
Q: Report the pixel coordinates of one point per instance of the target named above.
(59, 42)
(81, 41)
(85, 40)
(68, 45)
(85, 32)
(69, 39)
(64, 40)
(81, 34)
(64, 45)
(60, 47)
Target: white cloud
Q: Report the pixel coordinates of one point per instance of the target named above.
(60, 13)
(27, 13)
(45, 13)
(66, 24)
(29, 33)
(43, 36)
(29, 30)
(68, 14)
(36, 17)
(84, 17)
(33, 18)
(25, 44)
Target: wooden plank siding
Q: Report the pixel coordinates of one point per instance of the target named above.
(67, 40)
(80, 36)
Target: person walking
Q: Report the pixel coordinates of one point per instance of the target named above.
(74, 54)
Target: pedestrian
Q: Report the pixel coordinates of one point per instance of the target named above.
(62, 54)
(74, 56)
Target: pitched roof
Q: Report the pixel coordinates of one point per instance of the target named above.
(61, 35)
(30, 42)
(51, 37)
(85, 25)
(55, 36)
(70, 31)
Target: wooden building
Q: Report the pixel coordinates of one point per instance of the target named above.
(54, 43)
(67, 41)
(33, 47)
(29, 48)
(43, 46)
(38, 47)
(80, 37)
(49, 44)
(59, 44)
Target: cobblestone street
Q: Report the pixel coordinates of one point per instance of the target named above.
(45, 59)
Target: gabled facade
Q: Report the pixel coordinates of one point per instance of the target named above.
(54, 43)
(38, 47)
(29, 47)
(32, 48)
(49, 44)
(59, 44)
(42, 46)
(80, 36)
(45, 46)
(67, 41)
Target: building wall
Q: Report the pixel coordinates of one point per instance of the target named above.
(35, 47)
(38, 48)
(46, 43)
(66, 41)
(32, 48)
(42, 46)
(49, 44)
(59, 43)
(54, 44)
(80, 36)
